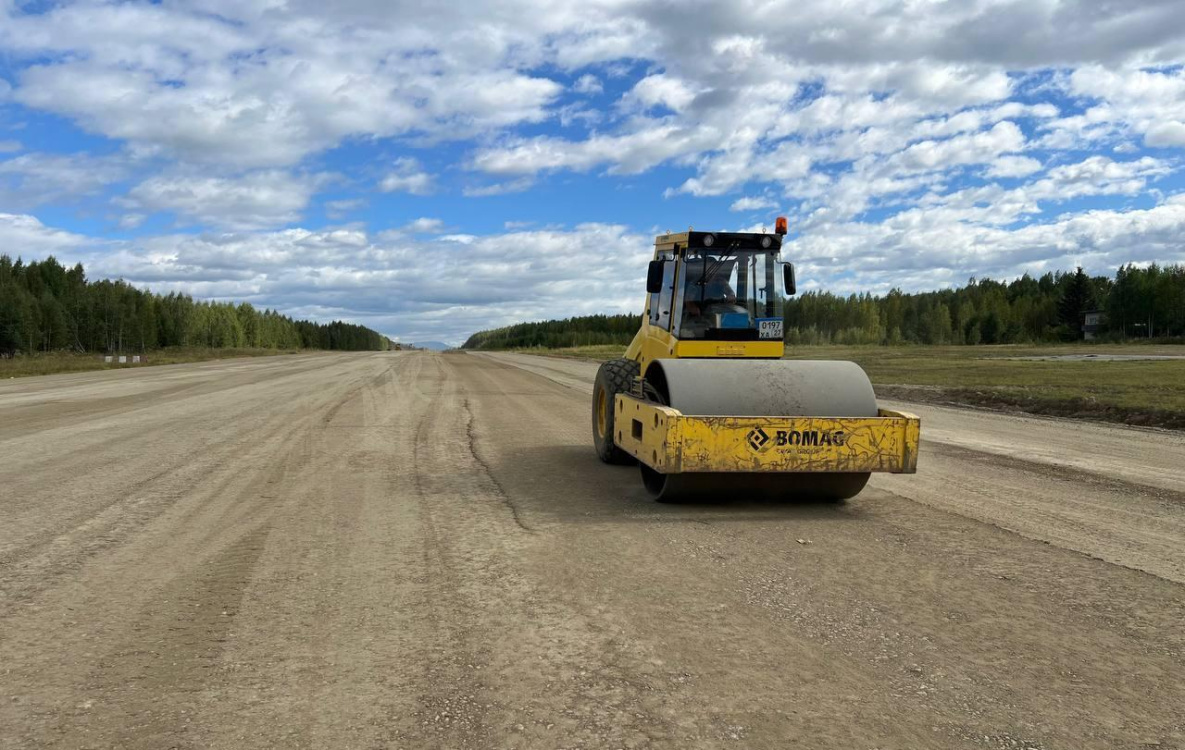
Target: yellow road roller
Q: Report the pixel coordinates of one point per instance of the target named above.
(704, 402)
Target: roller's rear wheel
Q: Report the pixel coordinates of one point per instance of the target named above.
(676, 488)
(613, 377)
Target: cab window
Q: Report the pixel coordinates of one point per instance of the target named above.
(729, 296)
(660, 303)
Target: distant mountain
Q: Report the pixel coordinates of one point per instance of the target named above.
(436, 346)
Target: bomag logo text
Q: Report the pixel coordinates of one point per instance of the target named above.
(809, 438)
(760, 441)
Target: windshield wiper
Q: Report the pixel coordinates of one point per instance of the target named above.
(716, 266)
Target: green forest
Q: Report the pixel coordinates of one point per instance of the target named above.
(1137, 303)
(46, 307)
(589, 330)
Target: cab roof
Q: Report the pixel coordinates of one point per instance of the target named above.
(719, 240)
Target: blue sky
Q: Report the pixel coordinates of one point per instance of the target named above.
(430, 170)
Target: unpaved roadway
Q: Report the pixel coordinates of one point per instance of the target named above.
(415, 550)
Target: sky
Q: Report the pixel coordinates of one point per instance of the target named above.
(432, 169)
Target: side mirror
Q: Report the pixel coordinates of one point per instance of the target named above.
(654, 277)
(788, 279)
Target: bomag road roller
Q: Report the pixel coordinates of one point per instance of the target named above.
(704, 402)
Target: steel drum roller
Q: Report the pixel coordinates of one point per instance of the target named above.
(759, 388)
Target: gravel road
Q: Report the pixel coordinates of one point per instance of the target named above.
(417, 550)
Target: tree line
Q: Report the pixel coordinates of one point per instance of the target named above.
(1137, 303)
(46, 307)
(589, 330)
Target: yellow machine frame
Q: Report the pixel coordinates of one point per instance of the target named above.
(672, 443)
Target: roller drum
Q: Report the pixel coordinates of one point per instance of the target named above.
(759, 388)
(764, 388)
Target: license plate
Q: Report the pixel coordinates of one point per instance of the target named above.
(769, 328)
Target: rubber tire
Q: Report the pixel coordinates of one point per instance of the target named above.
(613, 377)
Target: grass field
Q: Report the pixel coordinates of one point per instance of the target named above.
(1143, 392)
(48, 364)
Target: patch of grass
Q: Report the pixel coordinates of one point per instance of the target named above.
(27, 365)
(1142, 392)
(599, 353)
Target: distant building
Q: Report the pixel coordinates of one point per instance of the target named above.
(1092, 323)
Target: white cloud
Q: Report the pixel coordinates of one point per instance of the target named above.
(425, 225)
(256, 91)
(993, 206)
(24, 235)
(398, 284)
(977, 148)
(406, 176)
(131, 221)
(1100, 169)
(1013, 166)
(954, 85)
(752, 203)
(253, 85)
(630, 153)
(10, 146)
(498, 188)
(256, 200)
(35, 179)
(925, 251)
(660, 90)
(1125, 100)
(578, 113)
(588, 84)
(339, 209)
(1165, 134)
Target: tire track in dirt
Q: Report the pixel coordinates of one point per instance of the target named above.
(67, 545)
(150, 591)
(143, 690)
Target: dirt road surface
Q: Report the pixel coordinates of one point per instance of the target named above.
(416, 550)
